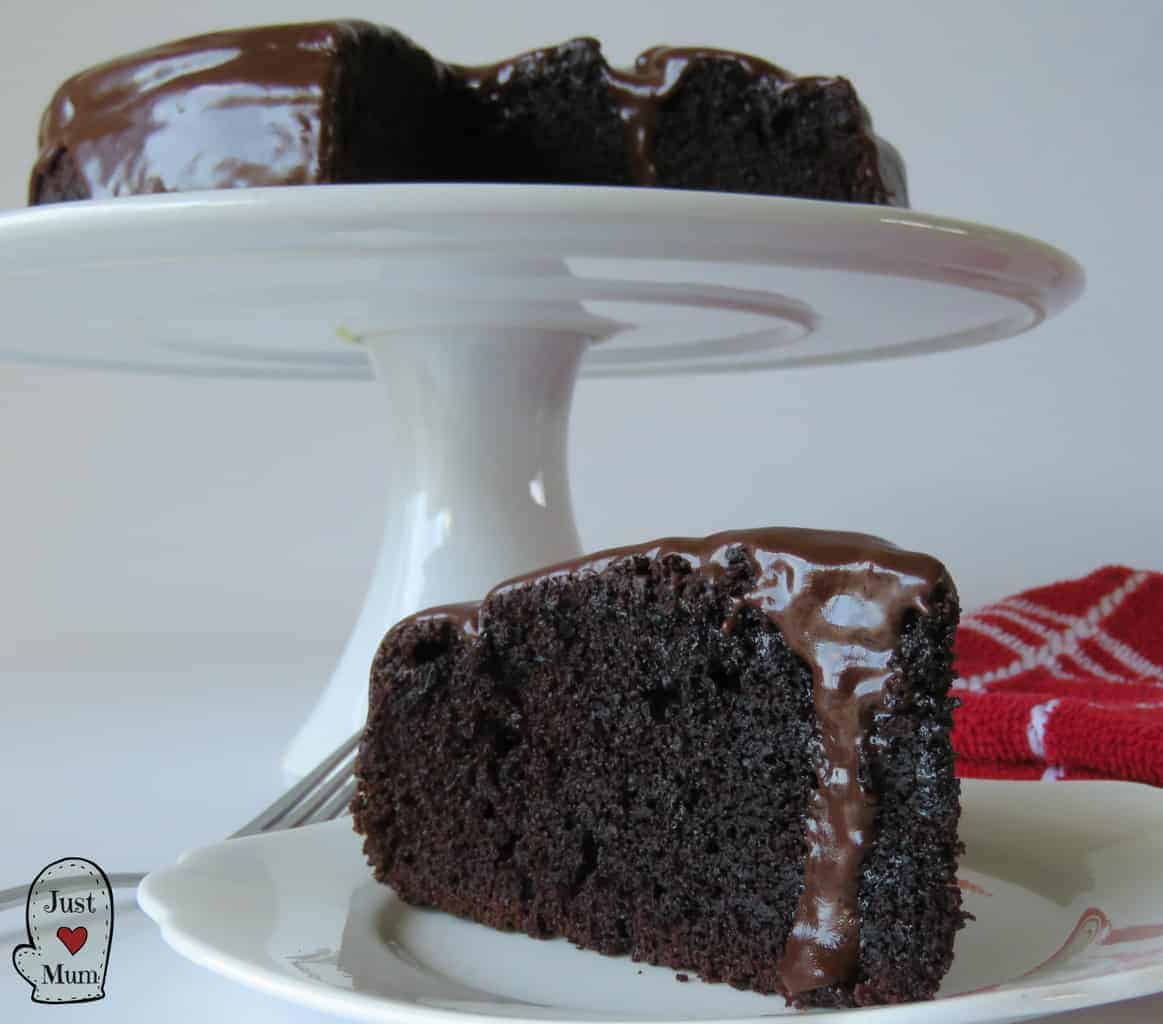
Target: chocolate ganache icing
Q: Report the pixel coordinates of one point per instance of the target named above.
(265, 90)
(839, 601)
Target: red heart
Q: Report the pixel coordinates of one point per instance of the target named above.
(73, 938)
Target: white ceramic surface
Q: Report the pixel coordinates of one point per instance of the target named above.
(1064, 881)
(278, 282)
(477, 305)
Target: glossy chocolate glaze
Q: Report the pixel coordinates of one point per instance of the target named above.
(226, 110)
(839, 600)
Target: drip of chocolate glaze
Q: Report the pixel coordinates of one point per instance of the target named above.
(839, 600)
(844, 621)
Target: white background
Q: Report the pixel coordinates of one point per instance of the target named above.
(180, 560)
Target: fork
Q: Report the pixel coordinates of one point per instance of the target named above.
(321, 795)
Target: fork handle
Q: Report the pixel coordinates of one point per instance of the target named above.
(15, 896)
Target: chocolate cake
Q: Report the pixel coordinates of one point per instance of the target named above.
(347, 101)
(728, 755)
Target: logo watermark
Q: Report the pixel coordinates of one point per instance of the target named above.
(69, 916)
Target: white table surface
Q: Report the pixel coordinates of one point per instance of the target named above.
(142, 765)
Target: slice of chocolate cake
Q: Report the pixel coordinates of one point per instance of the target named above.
(346, 101)
(728, 755)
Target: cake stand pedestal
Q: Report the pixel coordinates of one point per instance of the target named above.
(479, 305)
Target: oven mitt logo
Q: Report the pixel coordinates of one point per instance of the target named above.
(70, 929)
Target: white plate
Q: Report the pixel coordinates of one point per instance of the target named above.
(279, 282)
(1066, 881)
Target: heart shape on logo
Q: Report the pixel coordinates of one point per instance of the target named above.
(73, 938)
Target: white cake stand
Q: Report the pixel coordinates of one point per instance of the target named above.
(478, 305)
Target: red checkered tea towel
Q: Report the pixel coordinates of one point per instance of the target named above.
(1064, 682)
